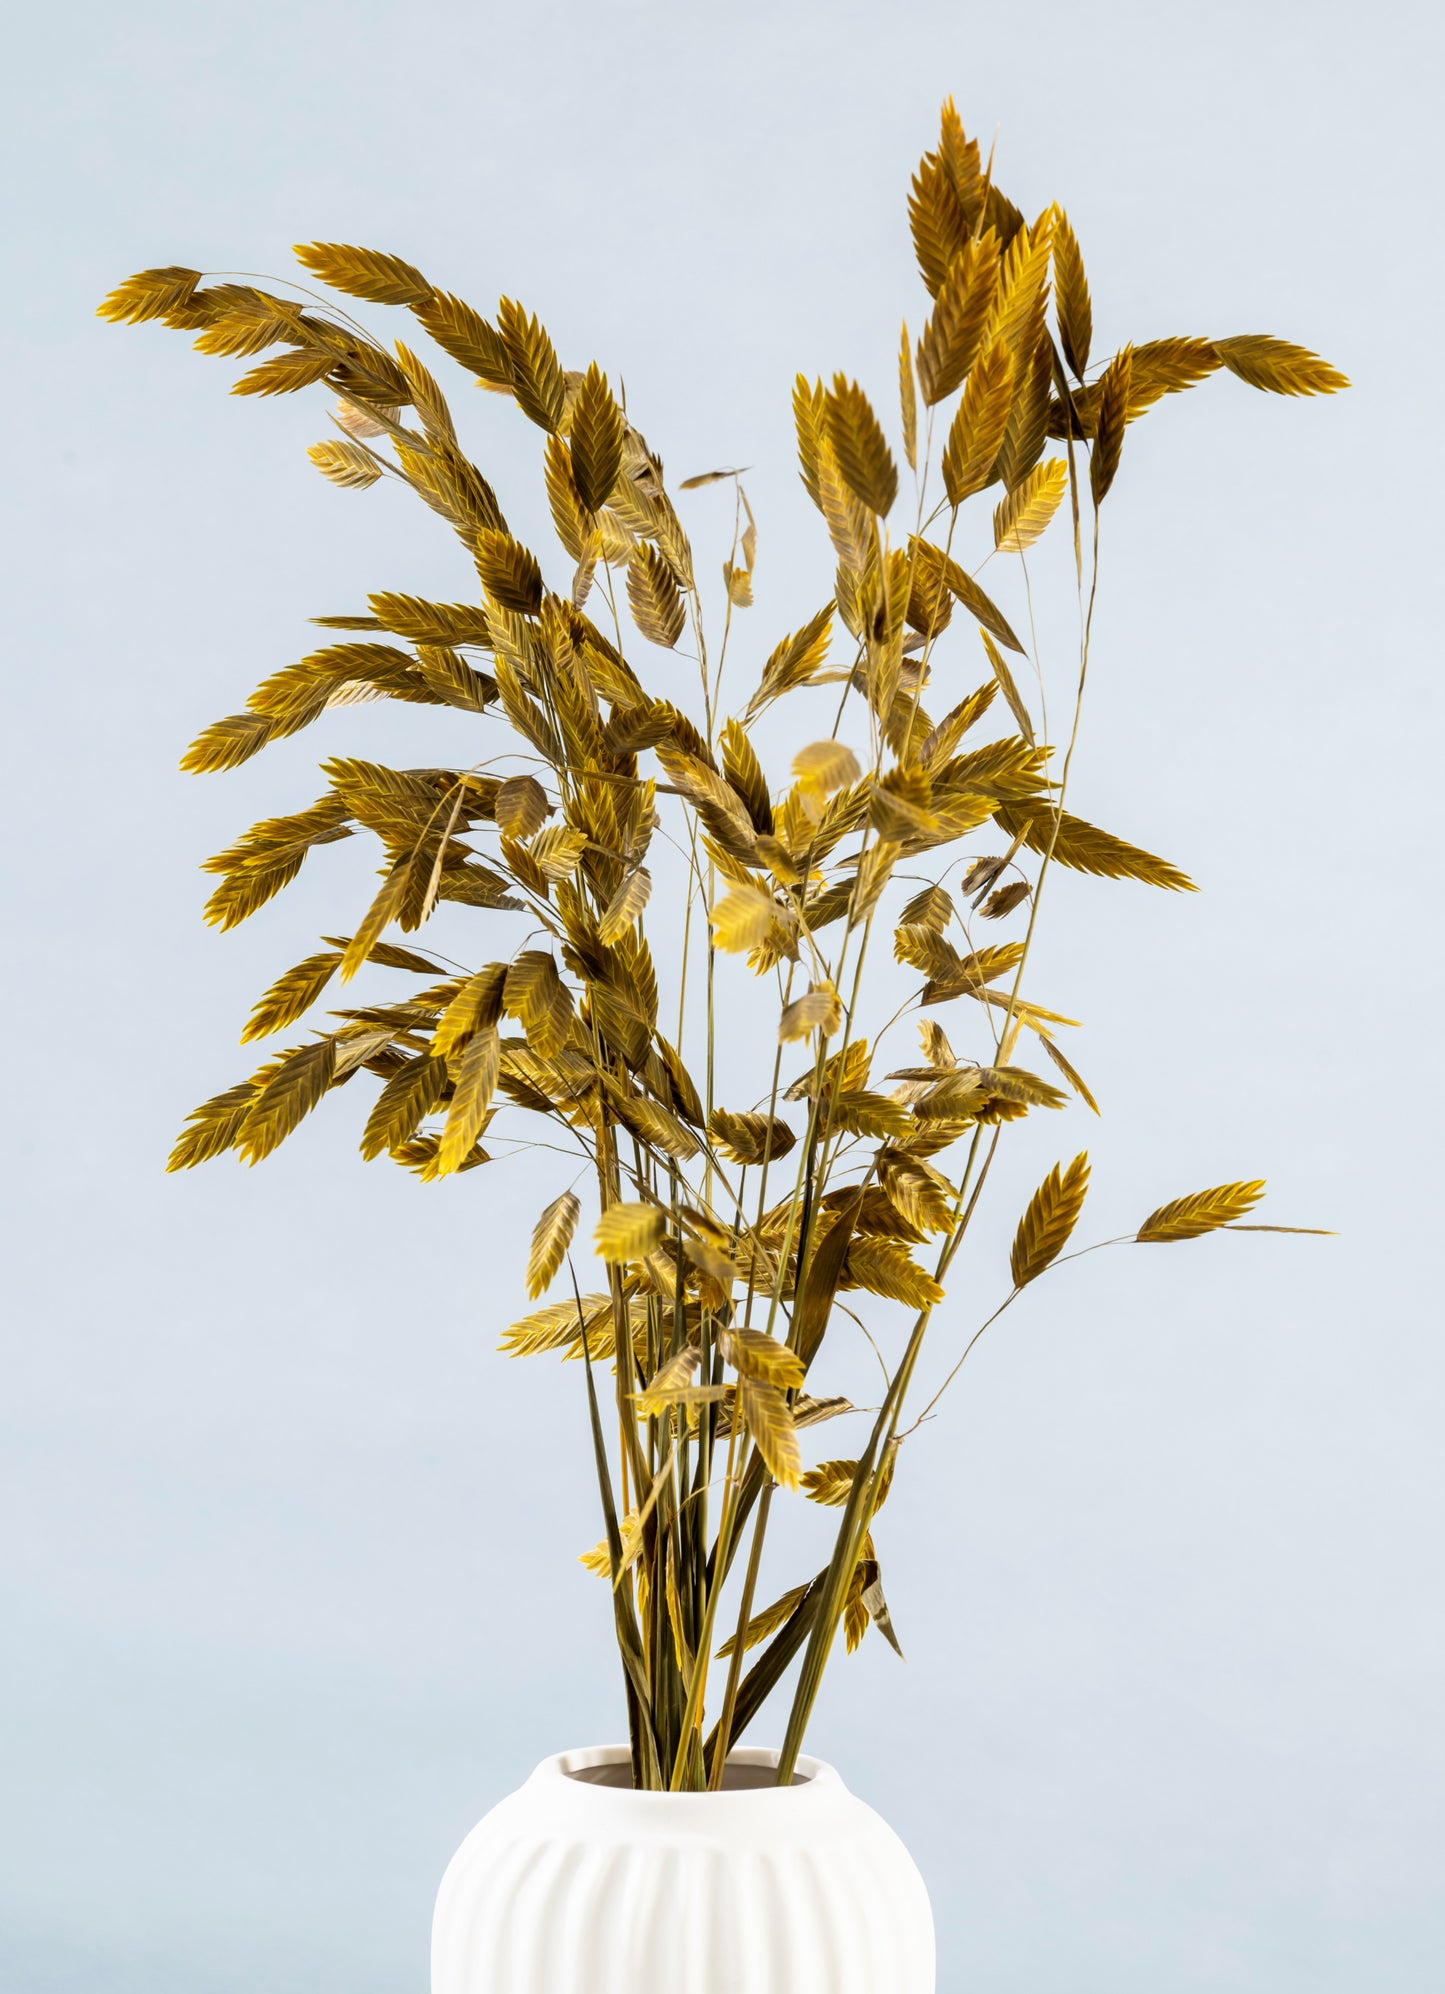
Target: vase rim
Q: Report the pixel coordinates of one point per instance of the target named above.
(577, 1769)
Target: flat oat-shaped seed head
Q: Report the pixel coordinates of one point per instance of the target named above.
(1022, 516)
(743, 918)
(859, 446)
(364, 273)
(551, 1237)
(818, 1010)
(522, 806)
(1202, 1211)
(826, 766)
(1052, 1214)
(628, 1232)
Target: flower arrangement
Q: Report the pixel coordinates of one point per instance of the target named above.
(729, 1231)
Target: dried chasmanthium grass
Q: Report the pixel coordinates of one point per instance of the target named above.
(728, 1231)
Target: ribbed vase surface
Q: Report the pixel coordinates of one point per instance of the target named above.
(576, 1884)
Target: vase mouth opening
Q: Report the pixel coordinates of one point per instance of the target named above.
(749, 1770)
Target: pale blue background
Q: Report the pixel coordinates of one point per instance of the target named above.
(1168, 1573)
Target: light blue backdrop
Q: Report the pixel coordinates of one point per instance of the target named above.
(1168, 1570)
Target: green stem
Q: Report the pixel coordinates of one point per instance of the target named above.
(735, 1661)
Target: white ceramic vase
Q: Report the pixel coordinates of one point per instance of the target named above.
(576, 1884)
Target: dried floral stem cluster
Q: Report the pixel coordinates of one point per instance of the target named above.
(728, 1233)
